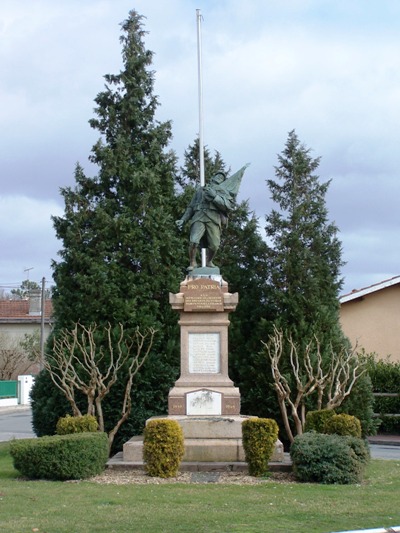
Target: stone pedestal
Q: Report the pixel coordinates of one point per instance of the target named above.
(204, 400)
(204, 387)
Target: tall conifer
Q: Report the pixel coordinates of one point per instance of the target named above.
(120, 253)
(119, 241)
(305, 252)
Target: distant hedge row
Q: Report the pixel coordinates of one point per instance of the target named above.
(385, 377)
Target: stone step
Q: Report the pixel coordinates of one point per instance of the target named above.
(202, 450)
(118, 462)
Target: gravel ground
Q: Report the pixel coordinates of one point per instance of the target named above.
(126, 477)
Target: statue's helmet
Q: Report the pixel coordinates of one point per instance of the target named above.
(219, 177)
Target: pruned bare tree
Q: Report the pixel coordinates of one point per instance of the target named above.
(332, 381)
(78, 364)
(14, 358)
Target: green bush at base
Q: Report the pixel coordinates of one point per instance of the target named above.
(360, 448)
(343, 424)
(327, 421)
(76, 424)
(61, 457)
(259, 436)
(316, 420)
(163, 447)
(323, 458)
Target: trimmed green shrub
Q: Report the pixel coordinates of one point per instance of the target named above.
(360, 448)
(343, 424)
(163, 447)
(322, 458)
(316, 420)
(259, 436)
(76, 424)
(61, 457)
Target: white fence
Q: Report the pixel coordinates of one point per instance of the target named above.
(16, 393)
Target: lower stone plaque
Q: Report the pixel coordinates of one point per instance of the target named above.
(203, 402)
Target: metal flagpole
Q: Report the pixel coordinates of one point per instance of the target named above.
(201, 129)
(42, 313)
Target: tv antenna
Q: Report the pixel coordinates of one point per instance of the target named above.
(27, 270)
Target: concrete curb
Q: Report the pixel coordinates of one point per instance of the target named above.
(394, 529)
(14, 408)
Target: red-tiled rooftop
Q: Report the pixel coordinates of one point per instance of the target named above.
(20, 309)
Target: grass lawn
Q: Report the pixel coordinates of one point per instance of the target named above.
(273, 507)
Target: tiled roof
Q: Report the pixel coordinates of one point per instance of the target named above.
(19, 309)
(358, 293)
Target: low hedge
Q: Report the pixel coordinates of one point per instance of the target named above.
(328, 421)
(385, 377)
(389, 424)
(76, 424)
(323, 458)
(343, 424)
(259, 436)
(316, 420)
(61, 457)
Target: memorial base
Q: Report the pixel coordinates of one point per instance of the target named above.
(207, 439)
(204, 400)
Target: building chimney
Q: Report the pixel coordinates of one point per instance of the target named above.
(35, 297)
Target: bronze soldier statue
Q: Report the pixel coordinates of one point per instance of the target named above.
(208, 212)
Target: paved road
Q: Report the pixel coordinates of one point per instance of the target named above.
(379, 451)
(16, 422)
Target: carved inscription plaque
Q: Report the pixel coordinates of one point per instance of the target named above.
(203, 402)
(204, 295)
(204, 353)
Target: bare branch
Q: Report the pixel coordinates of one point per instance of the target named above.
(309, 377)
(78, 363)
(14, 358)
(347, 370)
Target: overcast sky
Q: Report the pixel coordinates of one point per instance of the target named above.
(330, 69)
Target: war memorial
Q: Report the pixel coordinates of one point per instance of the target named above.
(204, 400)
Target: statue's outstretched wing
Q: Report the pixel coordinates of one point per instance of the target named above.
(232, 183)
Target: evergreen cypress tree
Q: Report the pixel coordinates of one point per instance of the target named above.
(119, 242)
(121, 250)
(305, 252)
(243, 259)
(190, 172)
(304, 255)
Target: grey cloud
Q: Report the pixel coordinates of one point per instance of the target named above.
(331, 73)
